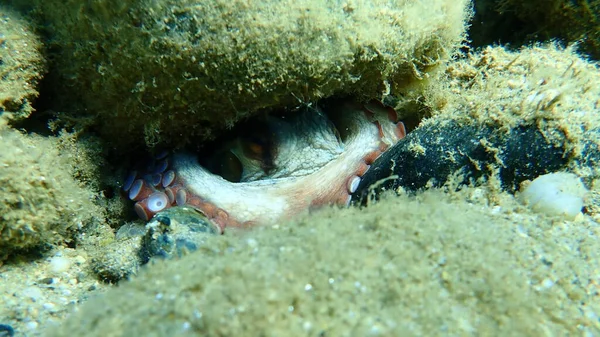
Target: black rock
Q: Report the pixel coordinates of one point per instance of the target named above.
(432, 153)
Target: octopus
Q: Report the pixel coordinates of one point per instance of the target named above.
(272, 170)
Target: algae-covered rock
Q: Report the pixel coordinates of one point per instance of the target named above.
(518, 22)
(40, 202)
(550, 88)
(508, 116)
(424, 266)
(116, 260)
(21, 65)
(171, 70)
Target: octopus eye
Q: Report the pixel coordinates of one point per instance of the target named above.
(260, 149)
(255, 150)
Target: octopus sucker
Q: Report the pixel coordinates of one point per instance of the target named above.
(280, 168)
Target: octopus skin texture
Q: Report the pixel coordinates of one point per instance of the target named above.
(277, 169)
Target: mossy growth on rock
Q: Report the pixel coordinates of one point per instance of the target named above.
(549, 87)
(174, 71)
(40, 202)
(518, 22)
(430, 265)
(22, 65)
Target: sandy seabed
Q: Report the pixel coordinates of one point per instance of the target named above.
(473, 262)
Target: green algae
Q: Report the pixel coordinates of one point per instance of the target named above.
(40, 201)
(178, 71)
(22, 66)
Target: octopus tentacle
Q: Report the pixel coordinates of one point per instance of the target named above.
(315, 160)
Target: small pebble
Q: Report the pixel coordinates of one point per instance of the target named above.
(33, 313)
(558, 194)
(32, 325)
(33, 293)
(49, 306)
(252, 242)
(81, 276)
(60, 264)
(80, 259)
(46, 280)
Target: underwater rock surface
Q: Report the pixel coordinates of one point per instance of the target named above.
(40, 201)
(464, 262)
(172, 71)
(22, 65)
(427, 159)
(431, 265)
(517, 22)
(172, 233)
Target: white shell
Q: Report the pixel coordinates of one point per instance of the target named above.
(557, 193)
